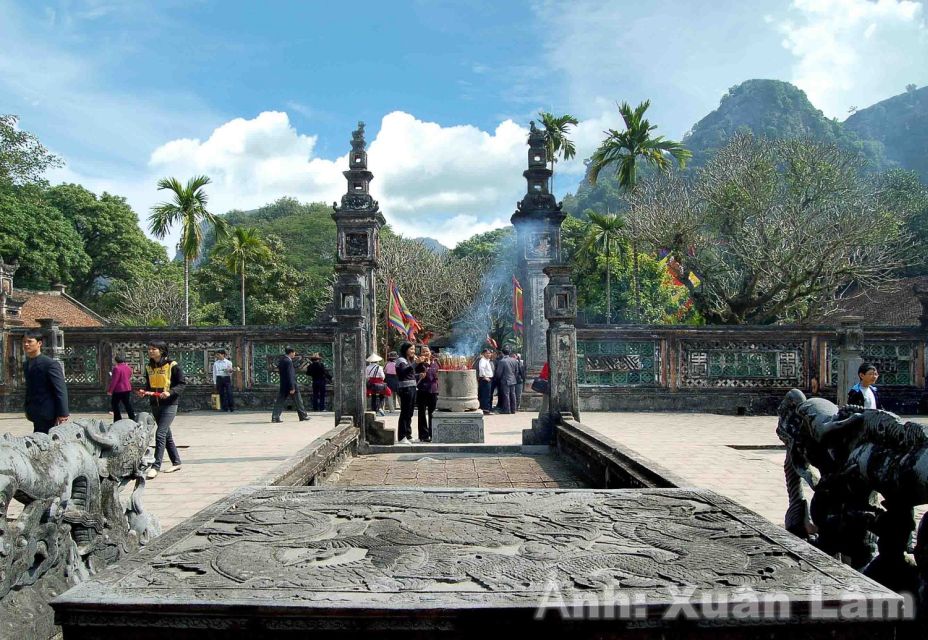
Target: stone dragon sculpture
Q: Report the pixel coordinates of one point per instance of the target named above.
(73, 520)
(868, 469)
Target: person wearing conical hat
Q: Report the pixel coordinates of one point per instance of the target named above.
(376, 383)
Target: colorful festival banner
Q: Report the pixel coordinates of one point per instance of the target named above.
(399, 316)
(518, 309)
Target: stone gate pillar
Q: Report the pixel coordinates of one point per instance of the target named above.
(537, 221)
(561, 313)
(357, 221)
(850, 349)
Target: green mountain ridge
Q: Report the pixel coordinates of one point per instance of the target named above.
(888, 135)
(900, 124)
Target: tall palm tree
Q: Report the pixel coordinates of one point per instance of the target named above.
(556, 141)
(188, 207)
(241, 246)
(624, 149)
(605, 232)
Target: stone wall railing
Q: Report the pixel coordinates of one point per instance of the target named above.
(88, 360)
(734, 369)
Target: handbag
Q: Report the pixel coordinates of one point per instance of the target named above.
(377, 388)
(540, 385)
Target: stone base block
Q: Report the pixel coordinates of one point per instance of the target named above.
(457, 427)
(375, 431)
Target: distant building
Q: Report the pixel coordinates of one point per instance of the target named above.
(904, 305)
(23, 308)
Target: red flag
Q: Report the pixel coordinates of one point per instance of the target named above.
(518, 323)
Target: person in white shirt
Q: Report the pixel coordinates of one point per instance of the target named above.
(222, 378)
(485, 381)
(864, 393)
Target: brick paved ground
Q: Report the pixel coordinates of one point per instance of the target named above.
(457, 470)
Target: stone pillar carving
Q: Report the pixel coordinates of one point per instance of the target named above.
(350, 342)
(921, 292)
(54, 339)
(850, 348)
(563, 397)
(537, 221)
(357, 221)
(561, 314)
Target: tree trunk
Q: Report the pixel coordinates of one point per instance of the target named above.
(608, 285)
(186, 291)
(635, 279)
(243, 293)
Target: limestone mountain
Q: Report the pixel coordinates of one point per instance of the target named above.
(900, 123)
(772, 109)
(890, 134)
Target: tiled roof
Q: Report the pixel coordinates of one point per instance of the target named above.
(54, 304)
(898, 308)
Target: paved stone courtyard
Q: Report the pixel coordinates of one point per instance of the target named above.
(735, 456)
(458, 470)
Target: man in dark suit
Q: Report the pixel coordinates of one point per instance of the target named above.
(46, 392)
(289, 391)
(507, 371)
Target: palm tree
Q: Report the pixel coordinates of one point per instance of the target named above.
(556, 141)
(624, 149)
(188, 207)
(243, 245)
(605, 232)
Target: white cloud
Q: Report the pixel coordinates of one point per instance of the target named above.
(430, 180)
(855, 52)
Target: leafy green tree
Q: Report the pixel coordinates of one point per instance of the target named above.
(663, 301)
(625, 148)
(556, 141)
(605, 232)
(187, 207)
(485, 246)
(241, 247)
(23, 159)
(111, 237)
(903, 193)
(36, 235)
(272, 287)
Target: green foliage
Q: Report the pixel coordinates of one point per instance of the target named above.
(624, 149)
(662, 302)
(557, 144)
(23, 159)
(905, 195)
(900, 126)
(111, 237)
(484, 245)
(306, 236)
(272, 287)
(43, 242)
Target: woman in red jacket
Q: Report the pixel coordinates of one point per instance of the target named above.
(120, 388)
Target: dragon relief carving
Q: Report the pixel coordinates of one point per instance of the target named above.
(73, 521)
(333, 544)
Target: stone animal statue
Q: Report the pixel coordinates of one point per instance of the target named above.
(868, 469)
(72, 521)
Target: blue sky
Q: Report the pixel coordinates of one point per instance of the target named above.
(262, 96)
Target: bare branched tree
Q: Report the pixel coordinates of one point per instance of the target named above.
(436, 287)
(774, 229)
(149, 303)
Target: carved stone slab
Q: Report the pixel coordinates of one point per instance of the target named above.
(273, 561)
(457, 427)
